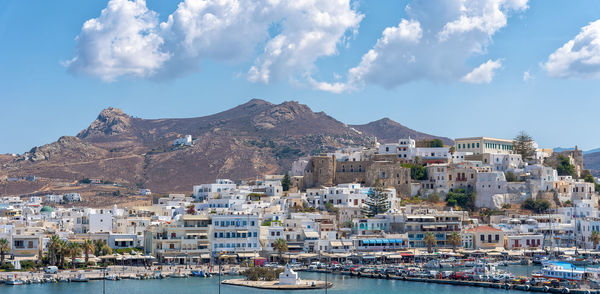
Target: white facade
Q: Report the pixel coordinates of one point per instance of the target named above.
(236, 233)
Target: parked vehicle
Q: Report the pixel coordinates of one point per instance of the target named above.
(51, 269)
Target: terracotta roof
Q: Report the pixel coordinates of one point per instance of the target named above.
(483, 229)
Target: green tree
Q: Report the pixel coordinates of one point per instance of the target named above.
(430, 241)
(281, 246)
(74, 250)
(53, 247)
(436, 143)
(417, 171)
(88, 247)
(565, 168)
(589, 178)
(537, 206)
(3, 249)
(377, 202)
(461, 197)
(455, 240)
(511, 177)
(286, 182)
(523, 144)
(595, 238)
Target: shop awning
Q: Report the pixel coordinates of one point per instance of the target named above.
(335, 243)
(247, 254)
(123, 239)
(311, 234)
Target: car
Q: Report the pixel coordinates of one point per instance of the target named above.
(51, 269)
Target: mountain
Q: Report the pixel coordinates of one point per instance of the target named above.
(591, 161)
(561, 149)
(388, 131)
(249, 140)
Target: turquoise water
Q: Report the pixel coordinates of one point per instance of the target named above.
(342, 284)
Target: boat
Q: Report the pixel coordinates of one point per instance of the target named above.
(199, 273)
(14, 281)
(562, 271)
(177, 275)
(112, 277)
(80, 278)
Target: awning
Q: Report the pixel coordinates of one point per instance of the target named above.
(367, 242)
(406, 254)
(242, 231)
(247, 254)
(311, 234)
(385, 241)
(195, 234)
(429, 227)
(124, 239)
(346, 243)
(335, 243)
(205, 256)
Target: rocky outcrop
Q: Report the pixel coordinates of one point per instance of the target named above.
(111, 121)
(67, 147)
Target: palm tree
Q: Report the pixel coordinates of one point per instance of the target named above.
(88, 247)
(595, 238)
(53, 245)
(3, 249)
(430, 241)
(74, 250)
(455, 240)
(63, 251)
(281, 246)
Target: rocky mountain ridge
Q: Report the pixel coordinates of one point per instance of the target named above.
(249, 140)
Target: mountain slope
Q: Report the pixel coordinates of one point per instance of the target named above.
(388, 131)
(249, 140)
(591, 161)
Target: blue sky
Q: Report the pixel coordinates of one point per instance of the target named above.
(51, 85)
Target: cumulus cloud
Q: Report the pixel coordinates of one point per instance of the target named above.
(527, 76)
(579, 57)
(122, 41)
(483, 73)
(434, 42)
(127, 40)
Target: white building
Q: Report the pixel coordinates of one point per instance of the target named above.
(205, 191)
(187, 140)
(234, 233)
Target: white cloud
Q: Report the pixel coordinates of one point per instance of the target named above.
(121, 41)
(310, 29)
(579, 57)
(527, 76)
(434, 42)
(225, 30)
(484, 73)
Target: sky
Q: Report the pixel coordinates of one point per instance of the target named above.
(454, 68)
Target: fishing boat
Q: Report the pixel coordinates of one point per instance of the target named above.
(112, 277)
(80, 278)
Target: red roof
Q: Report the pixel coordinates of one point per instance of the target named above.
(483, 229)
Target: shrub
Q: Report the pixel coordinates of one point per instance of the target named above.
(262, 274)
(537, 206)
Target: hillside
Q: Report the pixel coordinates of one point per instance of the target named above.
(388, 131)
(591, 161)
(250, 140)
